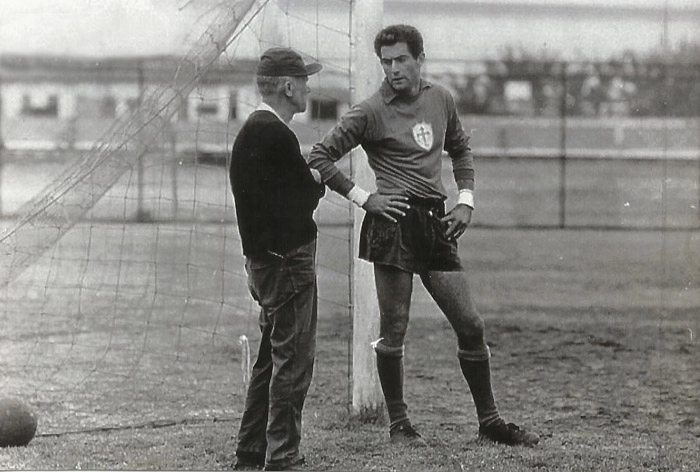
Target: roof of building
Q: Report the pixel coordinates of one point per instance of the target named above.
(32, 68)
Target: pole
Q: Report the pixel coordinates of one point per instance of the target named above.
(173, 168)
(140, 211)
(365, 78)
(2, 148)
(562, 148)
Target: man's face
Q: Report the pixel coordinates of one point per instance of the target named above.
(401, 70)
(300, 93)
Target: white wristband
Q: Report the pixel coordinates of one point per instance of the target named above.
(358, 196)
(466, 197)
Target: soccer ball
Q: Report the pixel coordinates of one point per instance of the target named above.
(17, 423)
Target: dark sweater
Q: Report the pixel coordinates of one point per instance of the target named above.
(273, 189)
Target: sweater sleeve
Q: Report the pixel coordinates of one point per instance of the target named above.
(457, 147)
(340, 140)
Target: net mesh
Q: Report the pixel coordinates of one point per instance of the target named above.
(124, 298)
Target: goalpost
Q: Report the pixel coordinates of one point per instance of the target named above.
(122, 294)
(367, 398)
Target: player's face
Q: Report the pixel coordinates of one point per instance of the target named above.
(300, 92)
(401, 69)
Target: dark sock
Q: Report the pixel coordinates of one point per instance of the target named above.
(390, 369)
(478, 376)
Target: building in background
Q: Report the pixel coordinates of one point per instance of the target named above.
(498, 58)
(68, 103)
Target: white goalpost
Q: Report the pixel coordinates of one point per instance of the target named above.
(367, 396)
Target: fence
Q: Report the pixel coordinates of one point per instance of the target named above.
(625, 178)
(614, 145)
(581, 144)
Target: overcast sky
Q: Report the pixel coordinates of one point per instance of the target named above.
(95, 27)
(126, 27)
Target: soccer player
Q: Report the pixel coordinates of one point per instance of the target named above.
(404, 128)
(275, 195)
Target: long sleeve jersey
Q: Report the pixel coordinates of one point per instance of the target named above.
(404, 138)
(274, 192)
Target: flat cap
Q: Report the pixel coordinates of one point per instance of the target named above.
(281, 62)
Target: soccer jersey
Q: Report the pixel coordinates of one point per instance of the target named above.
(404, 138)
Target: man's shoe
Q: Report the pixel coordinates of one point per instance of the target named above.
(296, 464)
(508, 434)
(249, 461)
(405, 434)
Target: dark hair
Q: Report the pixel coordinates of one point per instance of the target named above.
(399, 34)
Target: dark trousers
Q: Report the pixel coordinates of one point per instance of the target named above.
(285, 288)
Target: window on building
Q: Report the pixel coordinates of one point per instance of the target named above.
(207, 109)
(324, 109)
(132, 104)
(108, 107)
(182, 113)
(95, 107)
(182, 110)
(45, 106)
(232, 105)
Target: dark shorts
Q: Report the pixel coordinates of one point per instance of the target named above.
(415, 243)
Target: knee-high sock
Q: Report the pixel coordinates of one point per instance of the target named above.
(390, 370)
(476, 368)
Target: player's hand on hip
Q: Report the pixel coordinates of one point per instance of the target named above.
(457, 221)
(388, 206)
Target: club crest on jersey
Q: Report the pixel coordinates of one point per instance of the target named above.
(423, 135)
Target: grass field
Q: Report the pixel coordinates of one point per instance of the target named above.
(124, 340)
(511, 192)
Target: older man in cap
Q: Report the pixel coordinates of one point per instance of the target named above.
(275, 196)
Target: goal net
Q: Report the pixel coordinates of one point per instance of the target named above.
(123, 296)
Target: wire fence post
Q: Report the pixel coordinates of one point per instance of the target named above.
(697, 125)
(2, 149)
(562, 146)
(172, 150)
(140, 210)
(698, 200)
